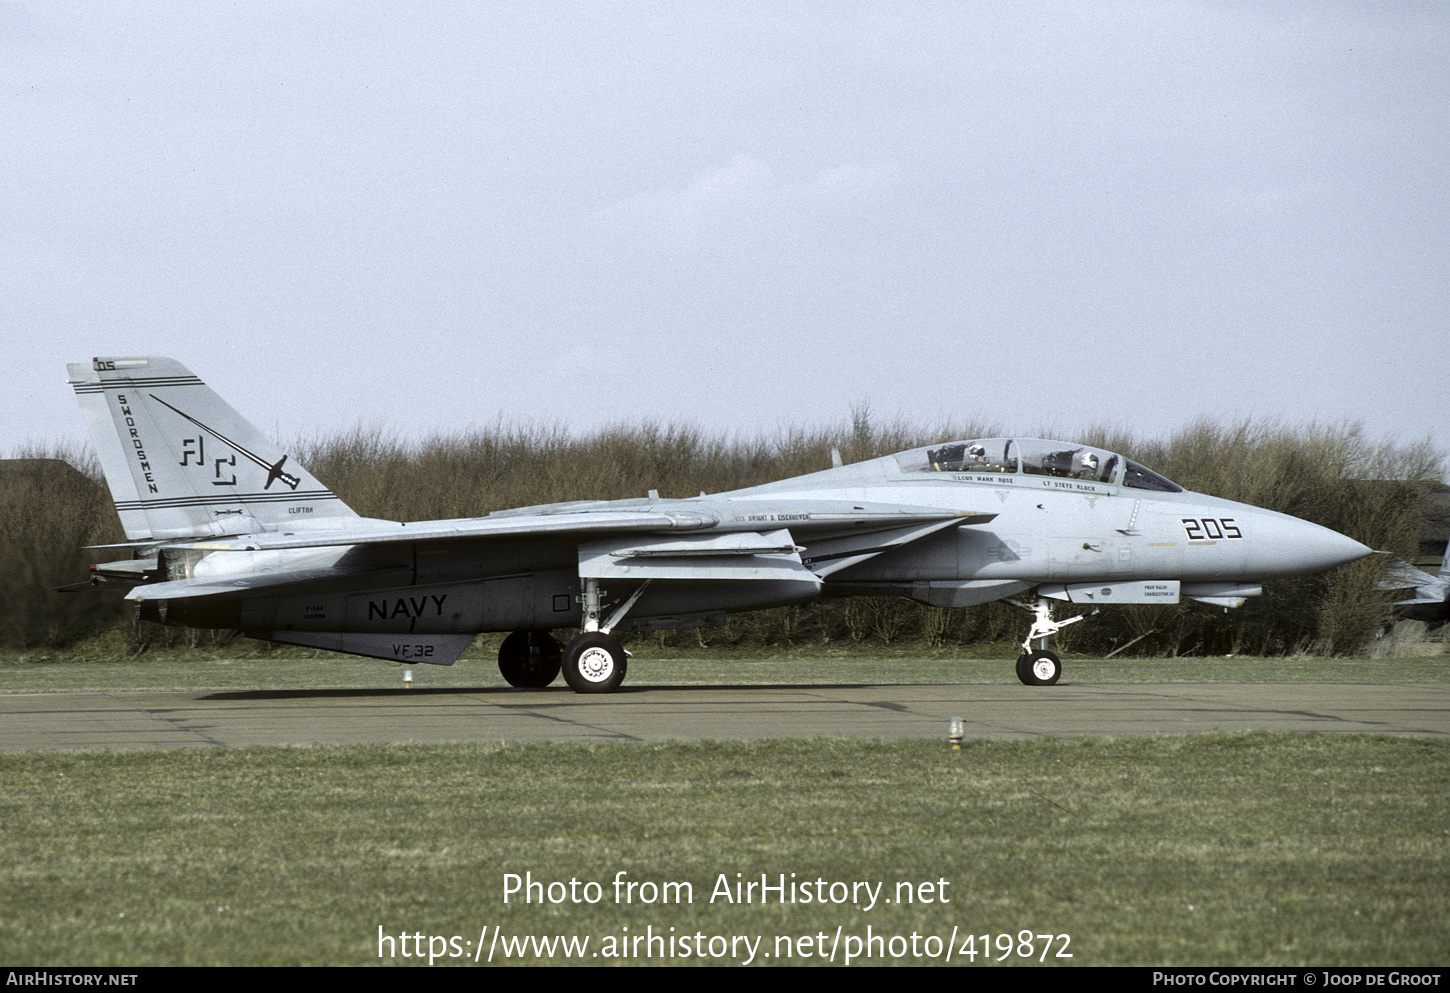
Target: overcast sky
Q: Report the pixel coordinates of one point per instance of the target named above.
(742, 216)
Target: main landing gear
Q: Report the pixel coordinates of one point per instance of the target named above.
(529, 659)
(594, 662)
(1041, 667)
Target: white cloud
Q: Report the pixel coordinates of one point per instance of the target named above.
(744, 180)
(853, 181)
(747, 190)
(1258, 200)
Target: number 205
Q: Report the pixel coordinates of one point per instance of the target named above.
(1209, 529)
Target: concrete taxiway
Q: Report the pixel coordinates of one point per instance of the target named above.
(296, 717)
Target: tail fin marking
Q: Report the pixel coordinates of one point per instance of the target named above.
(181, 462)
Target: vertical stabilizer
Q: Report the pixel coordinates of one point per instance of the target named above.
(182, 463)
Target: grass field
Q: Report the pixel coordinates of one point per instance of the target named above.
(1217, 849)
(1211, 849)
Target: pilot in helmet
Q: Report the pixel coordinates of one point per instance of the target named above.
(1089, 463)
(977, 454)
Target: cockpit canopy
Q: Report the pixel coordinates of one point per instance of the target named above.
(1034, 457)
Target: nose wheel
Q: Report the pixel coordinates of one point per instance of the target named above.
(1039, 667)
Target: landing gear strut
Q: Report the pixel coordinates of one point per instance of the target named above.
(1041, 667)
(595, 661)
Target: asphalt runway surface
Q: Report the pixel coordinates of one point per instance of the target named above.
(298, 717)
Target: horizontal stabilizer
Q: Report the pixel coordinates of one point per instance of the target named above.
(1402, 576)
(1422, 598)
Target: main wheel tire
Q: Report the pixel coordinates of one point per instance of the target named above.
(1039, 669)
(595, 663)
(529, 659)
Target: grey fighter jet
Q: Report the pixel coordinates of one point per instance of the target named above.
(226, 533)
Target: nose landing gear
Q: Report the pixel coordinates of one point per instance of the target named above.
(1041, 667)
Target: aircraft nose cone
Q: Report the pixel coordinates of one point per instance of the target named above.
(1329, 548)
(1302, 547)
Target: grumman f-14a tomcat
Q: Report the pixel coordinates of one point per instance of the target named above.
(227, 533)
